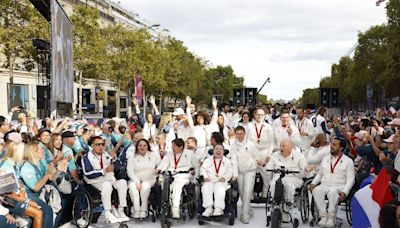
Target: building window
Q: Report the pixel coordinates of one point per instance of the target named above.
(122, 102)
(19, 96)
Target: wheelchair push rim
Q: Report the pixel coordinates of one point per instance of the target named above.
(82, 210)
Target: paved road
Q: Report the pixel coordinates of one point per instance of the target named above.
(258, 221)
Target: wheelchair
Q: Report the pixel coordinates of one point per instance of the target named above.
(87, 206)
(188, 200)
(345, 205)
(154, 209)
(258, 189)
(230, 211)
(303, 199)
(275, 206)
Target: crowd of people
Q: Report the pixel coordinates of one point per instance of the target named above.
(52, 159)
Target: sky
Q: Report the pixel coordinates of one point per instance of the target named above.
(294, 42)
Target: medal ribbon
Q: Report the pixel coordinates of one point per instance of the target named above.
(258, 132)
(177, 161)
(217, 168)
(334, 166)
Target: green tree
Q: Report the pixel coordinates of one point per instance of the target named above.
(90, 60)
(19, 24)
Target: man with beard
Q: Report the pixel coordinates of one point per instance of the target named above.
(336, 178)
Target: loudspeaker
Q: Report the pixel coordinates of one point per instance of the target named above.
(43, 96)
(329, 97)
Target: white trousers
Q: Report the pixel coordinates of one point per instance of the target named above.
(289, 185)
(264, 176)
(216, 191)
(176, 190)
(332, 193)
(246, 187)
(106, 188)
(141, 196)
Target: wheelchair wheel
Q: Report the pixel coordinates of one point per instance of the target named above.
(231, 221)
(201, 222)
(276, 218)
(165, 216)
(304, 204)
(348, 211)
(82, 209)
(123, 225)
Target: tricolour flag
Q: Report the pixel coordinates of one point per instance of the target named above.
(368, 201)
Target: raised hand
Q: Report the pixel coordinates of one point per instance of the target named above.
(188, 100)
(152, 100)
(214, 102)
(134, 101)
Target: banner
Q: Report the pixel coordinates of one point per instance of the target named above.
(139, 89)
(62, 78)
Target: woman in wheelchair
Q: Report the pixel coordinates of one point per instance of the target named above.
(141, 171)
(217, 170)
(180, 160)
(293, 161)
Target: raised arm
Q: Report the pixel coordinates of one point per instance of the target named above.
(188, 113)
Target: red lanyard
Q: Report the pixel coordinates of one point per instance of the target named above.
(162, 151)
(301, 125)
(217, 168)
(177, 161)
(258, 132)
(337, 161)
(101, 161)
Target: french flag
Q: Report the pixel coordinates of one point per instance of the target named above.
(368, 201)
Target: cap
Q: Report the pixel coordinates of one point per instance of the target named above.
(390, 139)
(178, 111)
(41, 130)
(67, 134)
(395, 121)
(15, 137)
(360, 135)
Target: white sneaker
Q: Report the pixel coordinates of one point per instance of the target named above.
(251, 213)
(207, 212)
(218, 212)
(81, 222)
(285, 217)
(322, 222)
(176, 213)
(245, 219)
(143, 214)
(110, 218)
(136, 215)
(122, 215)
(330, 222)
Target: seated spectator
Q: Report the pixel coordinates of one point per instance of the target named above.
(336, 178)
(99, 172)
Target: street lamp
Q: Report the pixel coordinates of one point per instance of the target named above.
(153, 26)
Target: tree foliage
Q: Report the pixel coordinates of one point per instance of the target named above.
(376, 63)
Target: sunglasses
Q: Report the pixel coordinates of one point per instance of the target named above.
(99, 144)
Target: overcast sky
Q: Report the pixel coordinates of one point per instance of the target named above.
(294, 42)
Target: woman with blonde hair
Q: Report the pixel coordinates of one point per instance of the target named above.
(167, 127)
(36, 209)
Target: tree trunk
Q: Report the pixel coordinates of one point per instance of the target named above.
(117, 104)
(11, 71)
(80, 98)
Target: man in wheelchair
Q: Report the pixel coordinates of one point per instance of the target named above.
(99, 172)
(180, 160)
(292, 161)
(336, 178)
(216, 170)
